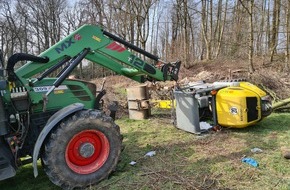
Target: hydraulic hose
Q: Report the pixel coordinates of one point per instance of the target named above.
(21, 57)
(129, 45)
(24, 57)
(50, 70)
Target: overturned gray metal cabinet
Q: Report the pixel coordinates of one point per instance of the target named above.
(187, 112)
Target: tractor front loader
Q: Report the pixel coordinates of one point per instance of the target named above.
(58, 120)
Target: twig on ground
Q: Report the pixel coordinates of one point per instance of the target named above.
(108, 184)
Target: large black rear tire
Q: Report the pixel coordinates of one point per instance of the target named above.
(83, 150)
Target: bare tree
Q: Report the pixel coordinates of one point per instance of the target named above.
(287, 31)
(141, 11)
(204, 26)
(251, 36)
(260, 39)
(249, 9)
(275, 28)
(220, 26)
(174, 29)
(45, 20)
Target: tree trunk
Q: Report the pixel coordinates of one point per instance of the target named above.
(260, 35)
(204, 29)
(221, 31)
(286, 66)
(251, 36)
(275, 29)
(249, 9)
(186, 34)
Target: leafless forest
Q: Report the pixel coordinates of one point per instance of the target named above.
(188, 30)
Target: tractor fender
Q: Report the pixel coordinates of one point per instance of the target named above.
(51, 123)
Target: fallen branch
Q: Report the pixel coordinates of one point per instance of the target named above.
(150, 173)
(280, 103)
(270, 92)
(283, 109)
(112, 182)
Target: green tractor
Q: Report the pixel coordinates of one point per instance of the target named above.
(58, 120)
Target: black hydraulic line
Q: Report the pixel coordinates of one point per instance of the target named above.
(21, 57)
(63, 69)
(129, 45)
(60, 73)
(3, 119)
(53, 68)
(75, 62)
(24, 57)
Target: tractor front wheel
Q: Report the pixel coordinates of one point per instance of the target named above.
(82, 150)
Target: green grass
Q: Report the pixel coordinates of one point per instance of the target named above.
(188, 161)
(24, 179)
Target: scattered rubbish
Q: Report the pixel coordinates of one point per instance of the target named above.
(204, 125)
(250, 161)
(256, 150)
(132, 163)
(285, 152)
(150, 154)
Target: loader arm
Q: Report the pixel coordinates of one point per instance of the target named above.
(103, 48)
(63, 116)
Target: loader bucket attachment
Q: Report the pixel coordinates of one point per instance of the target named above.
(175, 70)
(171, 70)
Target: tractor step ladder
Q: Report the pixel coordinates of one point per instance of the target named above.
(6, 168)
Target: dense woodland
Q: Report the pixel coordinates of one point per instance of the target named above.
(188, 30)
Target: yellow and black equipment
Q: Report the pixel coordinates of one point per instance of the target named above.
(242, 105)
(233, 104)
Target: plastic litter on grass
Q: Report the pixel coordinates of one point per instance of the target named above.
(150, 154)
(251, 161)
(256, 150)
(204, 126)
(132, 163)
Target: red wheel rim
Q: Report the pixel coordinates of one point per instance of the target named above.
(87, 151)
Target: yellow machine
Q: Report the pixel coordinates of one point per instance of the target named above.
(236, 104)
(163, 104)
(242, 105)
